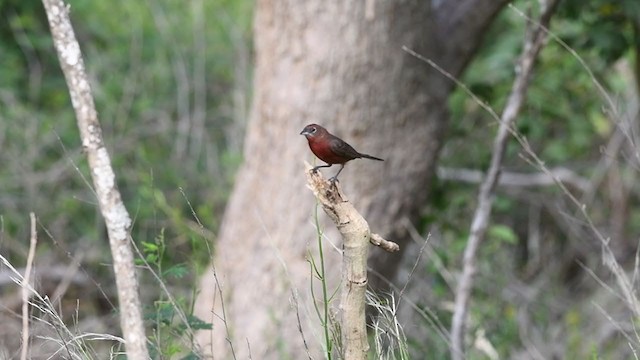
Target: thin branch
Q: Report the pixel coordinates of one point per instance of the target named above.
(413, 269)
(533, 45)
(49, 274)
(117, 219)
(515, 179)
(25, 289)
(296, 303)
(223, 317)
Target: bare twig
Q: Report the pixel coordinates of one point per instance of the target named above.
(115, 214)
(516, 179)
(223, 317)
(533, 45)
(69, 276)
(296, 303)
(25, 288)
(52, 274)
(415, 266)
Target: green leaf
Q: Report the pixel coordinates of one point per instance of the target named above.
(197, 324)
(149, 247)
(151, 258)
(503, 233)
(177, 271)
(164, 313)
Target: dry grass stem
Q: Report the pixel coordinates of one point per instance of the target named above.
(25, 290)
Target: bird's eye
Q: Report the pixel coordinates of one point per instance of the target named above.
(313, 130)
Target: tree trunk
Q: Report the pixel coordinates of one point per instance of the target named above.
(341, 65)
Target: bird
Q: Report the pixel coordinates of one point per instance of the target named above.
(330, 148)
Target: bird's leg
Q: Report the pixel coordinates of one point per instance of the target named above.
(335, 177)
(320, 166)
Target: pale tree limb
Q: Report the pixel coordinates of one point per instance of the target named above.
(117, 219)
(356, 237)
(25, 288)
(534, 41)
(517, 179)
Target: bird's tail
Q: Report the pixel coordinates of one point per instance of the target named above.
(370, 157)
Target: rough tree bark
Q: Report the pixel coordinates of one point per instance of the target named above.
(339, 64)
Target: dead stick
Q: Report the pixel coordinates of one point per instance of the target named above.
(356, 237)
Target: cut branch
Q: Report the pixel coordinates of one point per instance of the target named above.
(356, 237)
(117, 219)
(533, 43)
(387, 245)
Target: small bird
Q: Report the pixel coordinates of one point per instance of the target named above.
(330, 148)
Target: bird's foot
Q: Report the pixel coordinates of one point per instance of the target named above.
(333, 180)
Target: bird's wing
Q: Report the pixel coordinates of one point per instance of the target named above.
(343, 149)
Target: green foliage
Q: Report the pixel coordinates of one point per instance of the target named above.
(502, 233)
(606, 26)
(172, 320)
(163, 74)
(566, 124)
(322, 305)
(166, 77)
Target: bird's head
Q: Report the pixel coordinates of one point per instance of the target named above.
(312, 131)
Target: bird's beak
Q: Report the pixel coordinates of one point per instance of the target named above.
(304, 132)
